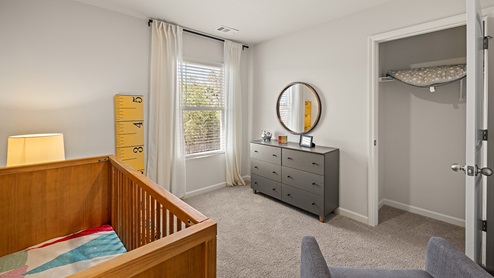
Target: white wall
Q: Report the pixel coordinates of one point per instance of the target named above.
(333, 58)
(61, 64)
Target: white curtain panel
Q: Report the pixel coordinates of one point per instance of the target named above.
(166, 154)
(232, 54)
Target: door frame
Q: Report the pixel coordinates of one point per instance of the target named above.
(373, 99)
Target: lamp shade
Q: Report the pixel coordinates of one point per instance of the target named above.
(35, 148)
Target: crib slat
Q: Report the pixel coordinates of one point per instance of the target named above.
(120, 207)
(126, 211)
(133, 221)
(136, 218)
(165, 223)
(146, 225)
(153, 218)
(114, 181)
(149, 227)
(142, 216)
(170, 223)
(158, 220)
(117, 205)
(144, 208)
(140, 221)
(149, 220)
(128, 205)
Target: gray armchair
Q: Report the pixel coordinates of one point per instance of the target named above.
(443, 260)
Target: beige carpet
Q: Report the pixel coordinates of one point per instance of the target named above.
(260, 237)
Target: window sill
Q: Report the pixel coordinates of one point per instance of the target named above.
(203, 155)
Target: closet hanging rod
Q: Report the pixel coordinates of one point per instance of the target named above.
(386, 79)
(198, 33)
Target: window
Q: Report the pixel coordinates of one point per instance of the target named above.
(203, 107)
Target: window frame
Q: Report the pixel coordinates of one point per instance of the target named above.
(183, 107)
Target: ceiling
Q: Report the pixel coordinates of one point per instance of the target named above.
(256, 20)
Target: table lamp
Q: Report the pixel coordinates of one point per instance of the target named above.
(35, 148)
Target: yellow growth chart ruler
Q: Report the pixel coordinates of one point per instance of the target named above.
(129, 130)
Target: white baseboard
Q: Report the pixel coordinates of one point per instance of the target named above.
(381, 203)
(424, 212)
(209, 188)
(352, 215)
(205, 190)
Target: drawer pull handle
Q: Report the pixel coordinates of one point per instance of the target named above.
(256, 151)
(274, 155)
(274, 172)
(314, 184)
(288, 195)
(290, 177)
(256, 167)
(289, 158)
(315, 164)
(255, 182)
(274, 189)
(313, 204)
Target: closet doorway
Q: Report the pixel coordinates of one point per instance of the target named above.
(407, 123)
(422, 129)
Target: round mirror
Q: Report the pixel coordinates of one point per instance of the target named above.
(298, 108)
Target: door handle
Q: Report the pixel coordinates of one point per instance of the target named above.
(455, 167)
(469, 170)
(484, 171)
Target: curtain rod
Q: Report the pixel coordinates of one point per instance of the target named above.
(201, 34)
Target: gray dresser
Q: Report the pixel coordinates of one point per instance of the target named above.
(307, 178)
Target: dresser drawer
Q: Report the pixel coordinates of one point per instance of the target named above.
(305, 161)
(303, 180)
(303, 199)
(266, 186)
(265, 169)
(265, 153)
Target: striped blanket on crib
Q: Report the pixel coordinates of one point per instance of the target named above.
(63, 256)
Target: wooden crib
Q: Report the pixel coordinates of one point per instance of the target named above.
(164, 236)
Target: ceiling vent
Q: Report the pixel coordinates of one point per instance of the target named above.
(226, 30)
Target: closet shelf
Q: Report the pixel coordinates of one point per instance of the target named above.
(427, 77)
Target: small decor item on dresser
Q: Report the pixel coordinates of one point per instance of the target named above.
(265, 135)
(306, 141)
(282, 139)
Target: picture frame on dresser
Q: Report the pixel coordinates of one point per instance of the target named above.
(306, 141)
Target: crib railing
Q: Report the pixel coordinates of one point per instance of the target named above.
(165, 237)
(140, 215)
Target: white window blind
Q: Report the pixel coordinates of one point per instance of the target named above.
(286, 107)
(203, 107)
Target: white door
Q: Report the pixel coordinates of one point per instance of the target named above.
(489, 206)
(474, 125)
